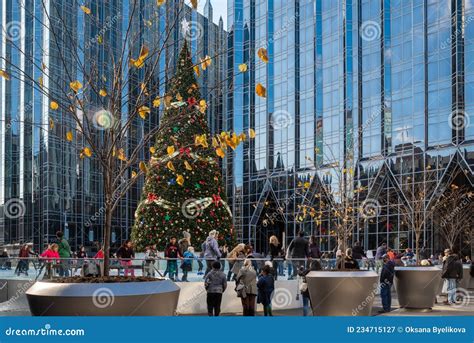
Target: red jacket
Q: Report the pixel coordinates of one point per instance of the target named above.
(50, 254)
(100, 254)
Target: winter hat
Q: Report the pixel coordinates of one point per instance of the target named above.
(186, 234)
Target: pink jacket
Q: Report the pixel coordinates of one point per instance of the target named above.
(50, 254)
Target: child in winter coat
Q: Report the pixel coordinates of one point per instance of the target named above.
(187, 264)
(215, 283)
(149, 264)
(266, 286)
(172, 254)
(51, 255)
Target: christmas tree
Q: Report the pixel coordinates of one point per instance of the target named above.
(183, 186)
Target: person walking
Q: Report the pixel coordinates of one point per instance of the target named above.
(298, 251)
(64, 252)
(172, 254)
(452, 273)
(246, 287)
(275, 255)
(265, 287)
(187, 264)
(211, 250)
(126, 254)
(215, 283)
(183, 244)
(386, 282)
(381, 250)
(23, 260)
(314, 266)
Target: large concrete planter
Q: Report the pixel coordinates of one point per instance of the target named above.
(417, 287)
(342, 293)
(151, 298)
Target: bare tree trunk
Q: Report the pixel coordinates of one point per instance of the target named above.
(417, 247)
(107, 233)
(108, 222)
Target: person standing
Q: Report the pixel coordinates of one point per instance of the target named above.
(347, 261)
(298, 251)
(246, 287)
(125, 254)
(183, 245)
(358, 253)
(266, 286)
(381, 250)
(51, 256)
(150, 257)
(81, 256)
(172, 254)
(314, 251)
(64, 253)
(187, 264)
(452, 273)
(235, 258)
(211, 250)
(275, 254)
(386, 282)
(215, 283)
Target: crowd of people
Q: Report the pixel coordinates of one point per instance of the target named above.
(253, 275)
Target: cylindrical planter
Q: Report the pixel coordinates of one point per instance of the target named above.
(342, 293)
(147, 298)
(417, 287)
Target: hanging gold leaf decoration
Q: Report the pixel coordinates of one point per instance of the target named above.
(220, 152)
(75, 85)
(180, 180)
(243, 67)
(4, 74)
(140, 61)
(69, 136)
(86, 10)
(87, 151)
(252, 133)
(143, 111)
(142, 166)
(263, 54)
(103, 93)
(53, 105)
(260, 90)
(156, 102)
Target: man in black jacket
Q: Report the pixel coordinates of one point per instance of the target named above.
(386, 281)
(299, 251)
(452, 272)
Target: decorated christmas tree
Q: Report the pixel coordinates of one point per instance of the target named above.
(183, 188)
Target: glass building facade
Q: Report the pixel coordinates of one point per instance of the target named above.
(385, 84)
(44, 185)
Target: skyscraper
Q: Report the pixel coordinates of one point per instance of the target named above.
(44, 185)
(388, 84)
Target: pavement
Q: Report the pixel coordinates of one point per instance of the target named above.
(465, 308)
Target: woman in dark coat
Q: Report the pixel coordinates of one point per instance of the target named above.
(265, 286)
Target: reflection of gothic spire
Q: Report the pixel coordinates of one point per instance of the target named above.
(208, 10)
(279, 164)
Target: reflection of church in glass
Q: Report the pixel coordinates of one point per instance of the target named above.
(336, 93)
